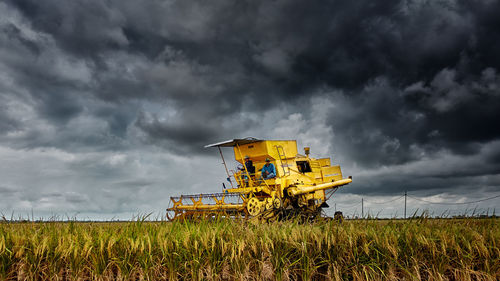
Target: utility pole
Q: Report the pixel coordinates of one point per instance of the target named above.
(405, 203)
(362, 209)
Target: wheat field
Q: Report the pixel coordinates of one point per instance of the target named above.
(418, 249)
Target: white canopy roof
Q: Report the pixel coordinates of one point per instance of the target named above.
(234, 142)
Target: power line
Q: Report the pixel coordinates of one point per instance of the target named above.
(371, 202)
(385, 202)
(458, 203)
(356, 205)
(350, 205)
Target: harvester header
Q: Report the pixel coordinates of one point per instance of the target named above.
(271, 181)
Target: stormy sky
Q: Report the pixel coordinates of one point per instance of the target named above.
(105, 106)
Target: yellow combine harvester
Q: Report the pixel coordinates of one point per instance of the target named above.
(300, 188)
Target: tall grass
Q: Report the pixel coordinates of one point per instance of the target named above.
(427, 249)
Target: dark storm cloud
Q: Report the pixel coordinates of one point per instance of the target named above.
(387, 125)
(452, 105)
(457, 174)
(83, 27)
(175, 136)
(409, 80)
(282, 47)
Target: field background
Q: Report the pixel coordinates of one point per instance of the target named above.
(416, 249)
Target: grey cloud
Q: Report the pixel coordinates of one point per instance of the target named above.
(73, 197)
(7, 123)
(134, 183)
(7, 191)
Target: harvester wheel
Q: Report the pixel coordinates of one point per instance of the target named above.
(254, 206)
(277, 204)
(269, 203)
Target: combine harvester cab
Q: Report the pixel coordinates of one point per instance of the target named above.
(300, 189)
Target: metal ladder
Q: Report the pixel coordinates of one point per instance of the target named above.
(282, 156)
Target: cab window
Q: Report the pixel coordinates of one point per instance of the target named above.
(304, 166)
